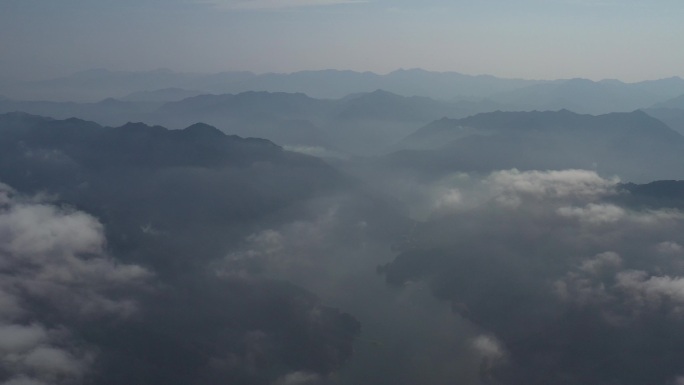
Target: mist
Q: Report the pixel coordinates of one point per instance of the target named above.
(139, 253)
(342, 192)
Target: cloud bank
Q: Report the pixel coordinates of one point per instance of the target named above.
(566, 285)
(54, 272)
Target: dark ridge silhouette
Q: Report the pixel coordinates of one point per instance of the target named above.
(174, 202)
(632, 145)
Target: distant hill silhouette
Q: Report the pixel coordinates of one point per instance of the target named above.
(100, 83)
(633, 145)
(107, 112)
(677, 103)
(165, 95)
(387, 106)
(586, 96)
(673, 117)
(661, 194)
(361, 123)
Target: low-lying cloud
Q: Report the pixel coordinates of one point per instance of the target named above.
(565, 284)
(54, 271)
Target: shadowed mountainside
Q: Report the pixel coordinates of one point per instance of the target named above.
(632, 145)
(172, 202)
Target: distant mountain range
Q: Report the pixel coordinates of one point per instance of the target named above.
(579, 95)
(361, 123)
(589, 97)
(358, 123)
(161, 96)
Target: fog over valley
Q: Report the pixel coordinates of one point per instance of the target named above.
(341, 193)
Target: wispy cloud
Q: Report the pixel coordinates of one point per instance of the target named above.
(275, 4)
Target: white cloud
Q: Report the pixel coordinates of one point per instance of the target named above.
(451, 198)
(57, 257)
(585, 285)
(42, 231)
(488, 346)
(603, 213)
(652, 217)
(297, 247)
(511, 186)
(37, 355)
(633, 291)
(21, 338)
(59, 254)
(601, 261)
(54, 361)
(21, 380)
(594, 213)
(298, 378)
(651, 290)
(669, 248)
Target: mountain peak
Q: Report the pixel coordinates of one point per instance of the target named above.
(203, 131)
(580, 81)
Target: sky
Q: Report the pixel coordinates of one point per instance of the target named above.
(630, 40)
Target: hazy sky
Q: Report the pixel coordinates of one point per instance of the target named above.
(624, 39)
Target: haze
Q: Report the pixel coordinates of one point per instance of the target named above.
(536, 39)
(341, 192)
